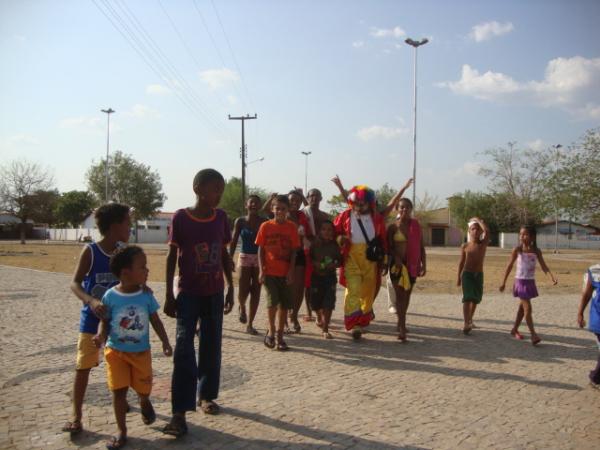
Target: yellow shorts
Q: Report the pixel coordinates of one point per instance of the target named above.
(88, 355)
(129, 369)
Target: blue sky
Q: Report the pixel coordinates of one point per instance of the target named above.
(331, 77)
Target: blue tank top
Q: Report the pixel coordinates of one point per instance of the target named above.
(95, 283)
(248, 238)
(594, 276)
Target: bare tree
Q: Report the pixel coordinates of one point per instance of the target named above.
(425, 207)
(19, 181)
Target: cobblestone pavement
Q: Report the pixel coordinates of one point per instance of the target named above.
(439, 390)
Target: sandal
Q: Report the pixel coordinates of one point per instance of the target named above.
(282, 346)
(73, 427)
(516, 335)
(327, 335)
(209, 407)
(243, 317)
(269, 341)
(535, 340)
(148, 415)
(116, 442)
(251, 330)
(176, 427)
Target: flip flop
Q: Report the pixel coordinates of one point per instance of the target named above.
(209, 407)
(243, 317)
(516, 335)
(269, 341)
(116, 442)
(73, 427)
(282, 346)
(176, 427)
(148, 415)
(251, 330)
(536, 340)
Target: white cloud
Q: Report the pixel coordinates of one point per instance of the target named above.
(157, 89)
(232, 99)
(395, 32)
(378, 131)
(139, 111)
(23, 139)
(358, 44)
(572, 84)
(81, 122)
(469, 168)
(488, 30)
(536, 145)
(216, 78)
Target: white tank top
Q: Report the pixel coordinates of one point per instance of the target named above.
(526, 266)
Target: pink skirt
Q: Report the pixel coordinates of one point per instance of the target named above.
(525, 289)
(248, 260)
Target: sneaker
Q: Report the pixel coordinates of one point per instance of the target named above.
(392, 310)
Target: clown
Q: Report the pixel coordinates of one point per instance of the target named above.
(359, 275)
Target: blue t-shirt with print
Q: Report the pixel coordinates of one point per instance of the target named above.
(129, 319)
(594, 277)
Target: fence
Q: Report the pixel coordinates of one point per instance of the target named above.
(548, 241)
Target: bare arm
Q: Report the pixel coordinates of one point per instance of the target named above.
(292, 269)
(162, 334)
(423, 271)
(396, 198)
(268, 206)
(83, 267)
(343, 192)
(102, 334)
(544, 267)
(227, 271)
(170, 307)
(513, 258)
(237, 228)
(461, 264)
(586, 295)
(261, 264)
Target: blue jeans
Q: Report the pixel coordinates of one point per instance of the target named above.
(202, 378)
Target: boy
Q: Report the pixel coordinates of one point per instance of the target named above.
(129, 309)
(197, 245)
(92, 278)
(591, 291)
(277, 242)
(326, 257)
(470, 269)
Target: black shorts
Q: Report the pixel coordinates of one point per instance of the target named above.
(322, 291)
(300, 258)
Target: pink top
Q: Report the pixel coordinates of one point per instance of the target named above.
(526, 266)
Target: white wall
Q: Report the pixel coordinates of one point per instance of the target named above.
(547, 241)
(75, 234)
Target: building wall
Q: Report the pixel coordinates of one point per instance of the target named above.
(547, 241)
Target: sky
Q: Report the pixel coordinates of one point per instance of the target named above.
(333, 78)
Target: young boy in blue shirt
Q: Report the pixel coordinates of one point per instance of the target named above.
(92, 278)
(130, 309)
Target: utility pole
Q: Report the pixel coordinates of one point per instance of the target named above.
(306, 171)
(108, 112)
(557, 148)
(243, 153)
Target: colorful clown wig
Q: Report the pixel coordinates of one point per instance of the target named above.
(362, 193)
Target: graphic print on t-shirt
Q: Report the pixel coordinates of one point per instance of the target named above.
(132, 320)
(207, 257)
(279, 245)
(104, 281)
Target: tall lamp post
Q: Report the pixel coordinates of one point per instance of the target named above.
(262, 158)
(306, 171)
(557, 148)
(108, 112)
(416, 45)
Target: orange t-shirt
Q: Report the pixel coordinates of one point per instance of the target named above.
(278, 241)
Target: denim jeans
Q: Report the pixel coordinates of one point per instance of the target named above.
(201, 378)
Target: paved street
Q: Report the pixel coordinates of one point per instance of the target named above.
(440, 390)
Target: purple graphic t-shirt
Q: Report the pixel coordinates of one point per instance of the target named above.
(200, 243)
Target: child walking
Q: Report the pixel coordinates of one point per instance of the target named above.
(591, 291)
(470, 269)
(526, 254)
(246, 228)
(197, 245)
(129, 311)
(326, 257)
(92, 278)
(278, 243)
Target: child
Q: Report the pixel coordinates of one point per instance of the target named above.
(92, 278)
(358, 227)
(197, 245)
(470, 269)
(526, 254)
(246, 228)
(326, 257)
(129, 309)
(278, 243)
(592, 291)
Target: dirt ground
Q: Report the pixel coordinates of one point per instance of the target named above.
(568, 266)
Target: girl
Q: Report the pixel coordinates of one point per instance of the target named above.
(526, 255)
(407, 259)
(357, 226)
(246, 228)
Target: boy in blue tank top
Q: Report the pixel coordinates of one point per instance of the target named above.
(92, 278)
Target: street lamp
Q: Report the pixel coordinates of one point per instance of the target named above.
(556, 147)
(262, 158)
(306, 171)
(416, 45)
(108, 112)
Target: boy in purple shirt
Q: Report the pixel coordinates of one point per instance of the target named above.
(197, 245)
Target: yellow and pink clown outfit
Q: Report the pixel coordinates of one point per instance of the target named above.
(358, 275)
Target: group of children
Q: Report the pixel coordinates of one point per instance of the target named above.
(295, 251)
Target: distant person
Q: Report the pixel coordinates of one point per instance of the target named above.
(278, 245)
(526, 254)
(198, 246)
(92, 278)
(470, 269)
(362, 236)
(129, 311)
(246, 228)
(326, 258)
(591, 291)
(407, 260)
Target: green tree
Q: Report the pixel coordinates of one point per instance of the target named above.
(42, 204)
(73, 207)
(130, 182)
(231, 201)
(19, 181)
